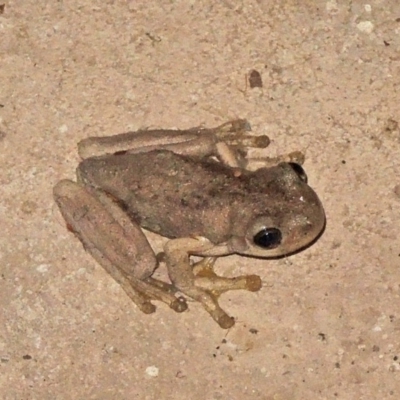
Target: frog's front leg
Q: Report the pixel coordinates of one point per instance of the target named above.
(116, 243)
(200, 282)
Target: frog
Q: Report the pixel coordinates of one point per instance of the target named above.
(200, 189)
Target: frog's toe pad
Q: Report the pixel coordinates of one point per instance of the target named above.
(225, 321)
(179, 305)
(253, 283)
(147, 307)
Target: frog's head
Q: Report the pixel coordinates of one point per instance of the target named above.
(290, 217)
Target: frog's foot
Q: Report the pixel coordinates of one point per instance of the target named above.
(141, 292)
(200, 282)
(207, 279)
(233, 141)
(117, 244)
(235, 133)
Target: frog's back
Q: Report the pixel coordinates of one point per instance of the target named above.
(170, 194)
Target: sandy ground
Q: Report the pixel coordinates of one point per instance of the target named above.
(326, 324)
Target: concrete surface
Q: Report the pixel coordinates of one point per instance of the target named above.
(326, 325)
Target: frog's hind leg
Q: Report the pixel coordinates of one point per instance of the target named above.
(200, 282)
(227, 142)
(117, 244)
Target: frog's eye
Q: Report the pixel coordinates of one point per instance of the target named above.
(299, 171)
(268, 238)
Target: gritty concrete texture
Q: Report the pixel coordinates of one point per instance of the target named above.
(326, 324)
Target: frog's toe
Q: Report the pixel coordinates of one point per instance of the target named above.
(147, 308)
(253, 283)
(238, 126)
(225, 321)
(179, 305)
(202, 239)
(217, 284)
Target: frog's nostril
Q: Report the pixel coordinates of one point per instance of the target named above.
(268, 238)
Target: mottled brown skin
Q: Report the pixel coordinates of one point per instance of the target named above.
(207, 208)
(179, 196)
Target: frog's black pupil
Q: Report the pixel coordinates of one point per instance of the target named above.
(268, 238)
(299, 171)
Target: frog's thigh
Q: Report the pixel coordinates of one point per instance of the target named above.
(114, 244)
